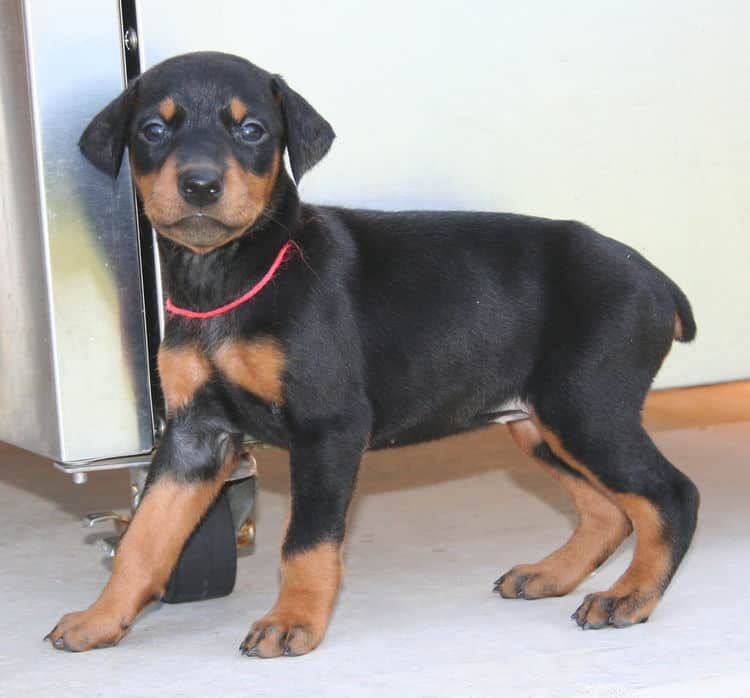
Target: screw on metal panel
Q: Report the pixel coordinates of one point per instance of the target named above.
(80, 478)
(131, 39)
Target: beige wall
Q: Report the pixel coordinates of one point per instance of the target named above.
(631, 116)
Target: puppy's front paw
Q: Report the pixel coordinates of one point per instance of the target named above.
(532, 582)
(277, 634)
(602, 609)
(85, 630)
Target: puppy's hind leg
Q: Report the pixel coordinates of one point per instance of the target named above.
(617, 456)
(602, 526)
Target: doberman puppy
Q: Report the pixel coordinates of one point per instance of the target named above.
(329, 331)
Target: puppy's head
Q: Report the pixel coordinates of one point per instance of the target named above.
(205, 134)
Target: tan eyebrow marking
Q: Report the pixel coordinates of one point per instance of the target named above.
(238, 109)
(167, 109)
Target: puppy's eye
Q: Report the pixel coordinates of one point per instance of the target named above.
(250, 131)
(154, 131)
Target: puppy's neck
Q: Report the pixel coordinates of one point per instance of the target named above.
(203, 282)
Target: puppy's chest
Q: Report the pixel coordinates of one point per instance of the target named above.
(256, 365)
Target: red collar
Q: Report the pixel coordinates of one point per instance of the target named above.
(281, 257)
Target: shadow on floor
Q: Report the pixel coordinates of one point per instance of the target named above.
(37, 476)
(411, 467)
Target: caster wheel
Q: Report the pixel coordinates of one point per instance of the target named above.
(207, 567)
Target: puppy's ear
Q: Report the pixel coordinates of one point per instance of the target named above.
(103, 142)
(308, 134)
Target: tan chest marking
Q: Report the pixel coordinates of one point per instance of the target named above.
(183, 371)
(257, 365)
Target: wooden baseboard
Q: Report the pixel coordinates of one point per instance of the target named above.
(703, 405)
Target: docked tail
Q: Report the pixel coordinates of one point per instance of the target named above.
(684, 330)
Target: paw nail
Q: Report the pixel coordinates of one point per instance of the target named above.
(59, 643)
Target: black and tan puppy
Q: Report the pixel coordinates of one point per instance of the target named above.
(330, 331)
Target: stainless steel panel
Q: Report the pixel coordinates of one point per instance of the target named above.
(28, 400)
(80, 364)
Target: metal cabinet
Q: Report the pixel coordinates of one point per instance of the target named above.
(74, 327)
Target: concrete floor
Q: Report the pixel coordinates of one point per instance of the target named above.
(416, 616)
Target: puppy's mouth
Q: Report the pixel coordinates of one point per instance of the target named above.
(199, 231)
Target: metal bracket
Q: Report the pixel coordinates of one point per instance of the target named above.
(246, 467)
(82, 467)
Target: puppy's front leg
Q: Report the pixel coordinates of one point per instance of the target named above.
(323, 471)
(176, 497)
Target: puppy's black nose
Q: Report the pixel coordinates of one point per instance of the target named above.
(201, 187)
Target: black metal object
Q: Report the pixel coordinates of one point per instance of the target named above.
(149, 273)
